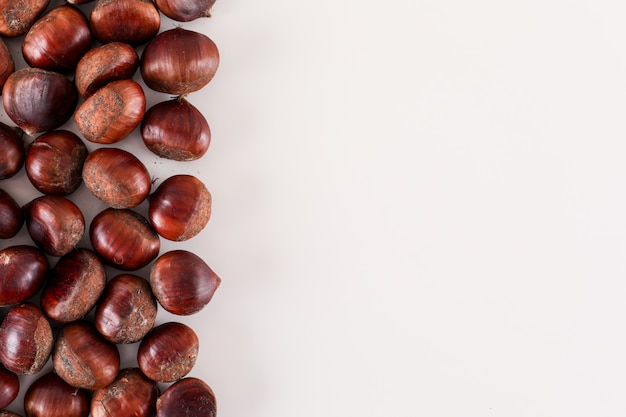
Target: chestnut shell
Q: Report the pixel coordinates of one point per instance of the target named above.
(13, 151)
(189, 397)
(9, 386)
(50, 396)
(23, 270)
(11, 216)
(131, 394)
(140, 23)
(109, 62)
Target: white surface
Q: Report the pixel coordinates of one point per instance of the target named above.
(419, 208)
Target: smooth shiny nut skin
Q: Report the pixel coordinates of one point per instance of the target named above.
(168, 352)
(182, 282)
(9, 387)
(109, 62)
(7, 64)
(189, 397)
(116, 177)
(18, 16)
(131, 394)
(83, 358)
(51, 396)
(180, 207)
(54, 223)
(127, 309)
(185, 10)
(54, 162)
(25, 339)
(141, 21)
(124, 239)
(23, 270)
(74, 286)
(13, 151)
(11, 216)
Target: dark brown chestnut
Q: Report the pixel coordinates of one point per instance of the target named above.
(54, 223)
(168, 352)
(176, 130)
(38, 100)
(9, 387)
(19, 15)
(129, 21)
(179, 61)
(182, 282)
(189, 397)
(109, 62)
(7, 65)
(180, 207)
(124, 239)
(13, 152)
(54, 162)
(185, 10)
(112, 112)
(83, 358)
(25, 339)
(51, 396)
(74, 286)
(11, 216)
(23, 270)
(127, 309)
(116, 177)
(131, 394)
(57, 40)
(7, 413)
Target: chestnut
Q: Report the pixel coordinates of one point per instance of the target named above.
(185, 10)
(13, 152)
(7, 65)
(189, 397)
(9, 386)
(51, 396)
(54, 223)
(25, 339)
(116, 177)
(38, 100)
(109, 62)
(57, 40)
(140, 23)
(182, 282)
(7, 413)
(124, 239)
(83, 359)
(176, 130)
(54, 162)
(23, 270)
(18, 16)
(168, 352)
(131, 394)
(180, 207)
(179, 61)
(112, 112)
(74, 286)
(11, 216)
(127, 309)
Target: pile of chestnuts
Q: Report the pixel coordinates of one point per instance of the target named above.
(83, 285)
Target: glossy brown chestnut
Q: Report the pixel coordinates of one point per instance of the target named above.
(7, 413)
(57, 40)
(112, 112)
(74, 286)
(124, 239)
(109, 62)
(51, 396)
(177, 130)
(23, 270)
(185, 10)
(179, 61)
(83, 359)
(127, 309)
(25, 339)
(180, 207)
(140, 23)
(54, 223)
(13, 152)
(54, 162)
(9, 387)
(38, 100)
(7, 65)
(182, 282)
(168, 352)
(131, 394)
(189, 397)
(19, 15)
(116, 177)
(11, 216)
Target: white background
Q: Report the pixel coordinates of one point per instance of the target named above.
(419, 208)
